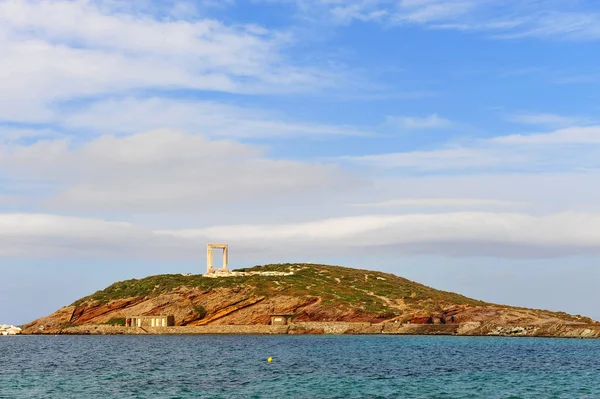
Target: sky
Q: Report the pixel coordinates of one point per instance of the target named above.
(455, 143)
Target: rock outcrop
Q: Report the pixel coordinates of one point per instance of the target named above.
(9, 329)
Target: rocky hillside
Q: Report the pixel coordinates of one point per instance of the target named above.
(312, 293)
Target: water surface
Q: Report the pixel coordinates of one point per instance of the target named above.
(303, 367)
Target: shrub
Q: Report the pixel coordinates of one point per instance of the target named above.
(387, 315)
(119, 321)
(200, 310)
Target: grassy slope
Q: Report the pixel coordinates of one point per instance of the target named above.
(335, 285)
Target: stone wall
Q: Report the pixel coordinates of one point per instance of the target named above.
(420, 329)
(220, 329)
(559, 330)
(330, 327)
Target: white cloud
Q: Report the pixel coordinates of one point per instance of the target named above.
(12, 134)
(460, 234)
(443, 159)
(43, 235)
(46, 58)
(126, 115)
(571, 135)
(502, 19)
(415, 123)
(538, 152)
(423, 11)
(162, 170)
(345, 13)
(465, 234)
(444, 203)
(8, 199)
(559, 23)
(547, 120)
(539, 192)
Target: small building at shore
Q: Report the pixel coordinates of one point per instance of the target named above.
(280, 319)
(150, 321)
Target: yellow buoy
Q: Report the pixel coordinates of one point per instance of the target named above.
(270, 359)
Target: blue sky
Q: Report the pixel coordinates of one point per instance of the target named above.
(456, 143)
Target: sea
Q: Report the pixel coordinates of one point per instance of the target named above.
(315, 366)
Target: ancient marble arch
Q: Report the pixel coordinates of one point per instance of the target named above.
(209, 258)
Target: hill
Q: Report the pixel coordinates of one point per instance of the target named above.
(313, 293)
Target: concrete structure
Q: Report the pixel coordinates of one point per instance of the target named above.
(281, 319)
(150, 321)
(209, 258)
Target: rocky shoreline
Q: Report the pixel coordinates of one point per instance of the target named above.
(314, 299)
(341, 328)
(9, 329)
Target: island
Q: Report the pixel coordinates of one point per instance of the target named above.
(299, 299)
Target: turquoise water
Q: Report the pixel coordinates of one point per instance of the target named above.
(303, 367)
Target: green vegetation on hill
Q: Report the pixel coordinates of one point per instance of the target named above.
(368, 290)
